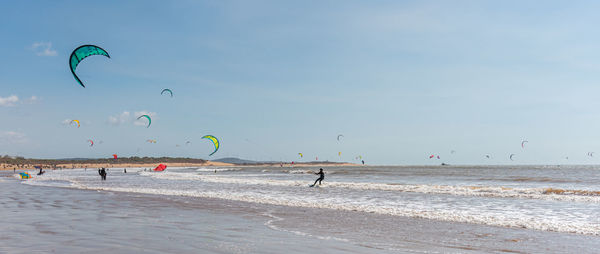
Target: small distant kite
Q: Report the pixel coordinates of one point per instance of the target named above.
(115, 156)
(591, 154)
(215, 142)
(452, 151)
(77, 122)
(301, 155)
(340, 154)
(523, 143)
(153, 141)
(91, 142)
(487, 156)
(147, 117)
(167, 90)
(511, 156)
(339, 136)
(81, 53)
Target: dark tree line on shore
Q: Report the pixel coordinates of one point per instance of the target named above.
(18, 161)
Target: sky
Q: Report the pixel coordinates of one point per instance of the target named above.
(401, 80)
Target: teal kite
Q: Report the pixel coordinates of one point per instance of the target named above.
(81, 53)
(167, 90)
(215, 142)
(149, 119)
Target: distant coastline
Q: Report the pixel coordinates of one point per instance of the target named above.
(20, 163)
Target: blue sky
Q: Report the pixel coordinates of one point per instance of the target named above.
(399, 79)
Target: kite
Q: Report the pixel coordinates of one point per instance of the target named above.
(511, 156)
(75, 121)
(81, 53)
(151, 141)
(340, 154)
(301, 155)
(24, 175)
(431, 156)
(339, 136)
(91, 142)
(115, 156)
(188, 142)
(215, 142)
(452, 152)
(161, 167)
(167, 90)
(591, 154)
(487, 156)
(149, 119)
(523, 143)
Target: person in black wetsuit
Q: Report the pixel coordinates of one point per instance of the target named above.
(321, 177)
(102, 173)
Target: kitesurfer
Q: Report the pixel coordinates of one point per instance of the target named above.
(321, 177)
(102, 173)
(125, 171)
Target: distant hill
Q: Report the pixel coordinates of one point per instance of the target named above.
(239, 161)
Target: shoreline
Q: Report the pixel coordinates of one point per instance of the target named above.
(7, 167)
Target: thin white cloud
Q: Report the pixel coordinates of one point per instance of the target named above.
(127, 117)
(120, 118)
(9, 101)
(31, 100)
(43, 49)
(13, 137)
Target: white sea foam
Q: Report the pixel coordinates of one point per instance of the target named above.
(501, 218)
(270, 224)
(480, 191)
(217, 169)
(487, 205)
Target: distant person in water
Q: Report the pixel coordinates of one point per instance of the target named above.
(321, 177)
(125, 171)
(102, 173)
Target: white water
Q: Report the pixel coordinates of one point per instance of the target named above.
(542, 198)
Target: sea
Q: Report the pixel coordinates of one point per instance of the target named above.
(356, 209)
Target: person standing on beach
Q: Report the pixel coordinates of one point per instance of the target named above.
(321, 177)
(102, 173)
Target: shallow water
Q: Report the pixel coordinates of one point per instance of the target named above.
(423, 209)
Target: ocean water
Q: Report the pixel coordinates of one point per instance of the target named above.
(544, 206)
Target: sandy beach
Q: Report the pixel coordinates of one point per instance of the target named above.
(112, 165)
(153, 165)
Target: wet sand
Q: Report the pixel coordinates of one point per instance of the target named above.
(37, 219)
